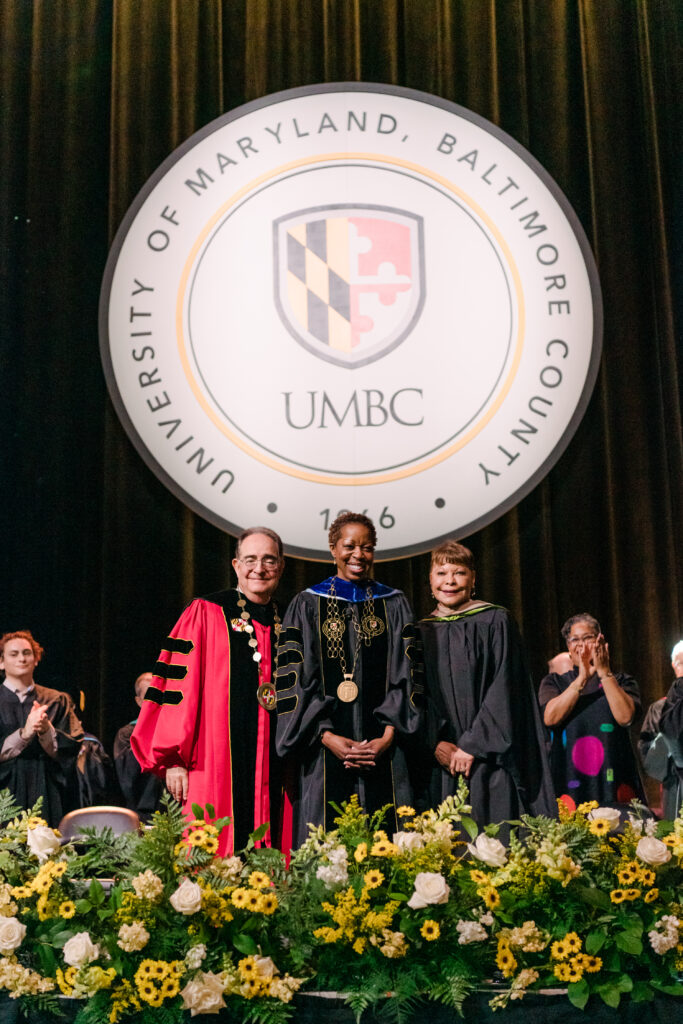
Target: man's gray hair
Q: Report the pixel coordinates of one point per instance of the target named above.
(260, 529)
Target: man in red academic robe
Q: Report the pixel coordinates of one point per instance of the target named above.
(207, 723)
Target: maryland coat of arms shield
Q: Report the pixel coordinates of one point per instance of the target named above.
(349, 280)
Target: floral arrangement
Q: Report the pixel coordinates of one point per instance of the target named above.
(589, 902)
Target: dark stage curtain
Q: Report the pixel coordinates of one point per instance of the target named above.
(98, 557)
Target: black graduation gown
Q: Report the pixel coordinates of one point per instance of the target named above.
(33, 773)
(591, 754)
(480, 696)
(141, 790)
(307, 705)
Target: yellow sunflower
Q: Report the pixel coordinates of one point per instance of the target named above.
(559, 951)
(252, 900)
(405, 811)
(373, 879)
(562, 971)
(430, 930)
(591, 964)
(247, 967)
(480, 877)
(628, 874)
(490, 897)
(599, 826)
(651, 896)
(631, 894)
(268, 904)
(572, 942)
(360, 853)
(617, 895)
(505, 961)
(259, 880)
(239, 898)
(67, 909)
(647, 876)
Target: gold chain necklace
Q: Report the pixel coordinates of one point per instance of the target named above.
(370, 626)
(265, 695)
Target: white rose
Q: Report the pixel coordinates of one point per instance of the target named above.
(80, 950)
(430, 888)
(653, 851)
(204, 994)
(265, 968)
(490, 851)
(408, 841)
(187, 899)
(42, 842)
(610, 814)
(11, 934)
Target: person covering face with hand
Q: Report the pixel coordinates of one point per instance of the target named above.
(589, 710)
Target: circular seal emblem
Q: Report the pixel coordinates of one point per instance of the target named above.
(351, 297)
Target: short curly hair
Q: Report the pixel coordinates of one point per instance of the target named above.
(22, 634)
(580, 617)
(344, 519)
(451, 552)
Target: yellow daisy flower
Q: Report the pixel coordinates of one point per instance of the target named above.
(572, 942)
(239, 898)
(480, 877)
(505, 961)
(247, 967)
(211, 844)
(628, 874)
(268, 903)
(430, 930)
(252, 899)
(647, 876)
(383, 848)
(196, 838)
(405, 811)
(146, 969)
(360, 853)
(373, 879)
(259, 880)
(651, 896)
(599, 826)
(59, 869)
(591, 964)
(67, 909)
(562, 971)
(576, 968)
(490, 897)
(617, 896)
(558, 950)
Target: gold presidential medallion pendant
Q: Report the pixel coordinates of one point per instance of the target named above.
(371, 626)
(266, 696)
(347, 691)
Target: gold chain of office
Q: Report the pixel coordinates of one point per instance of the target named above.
(334, 627)
(265, 695)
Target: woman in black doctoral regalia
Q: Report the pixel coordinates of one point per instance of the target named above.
(346, 702)
(39, 732)
(483, 719)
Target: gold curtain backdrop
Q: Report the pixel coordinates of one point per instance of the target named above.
(99, 558)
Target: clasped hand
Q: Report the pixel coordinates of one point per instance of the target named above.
(453, 758)
(361, 755)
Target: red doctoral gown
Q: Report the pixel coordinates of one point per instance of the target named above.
(201, 713)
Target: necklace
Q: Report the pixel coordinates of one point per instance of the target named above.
(369, 627)
(265, 695)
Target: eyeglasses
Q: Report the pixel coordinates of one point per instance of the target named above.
(268, 562)
(575, 640)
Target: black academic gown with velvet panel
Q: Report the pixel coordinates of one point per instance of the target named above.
(33, 773)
